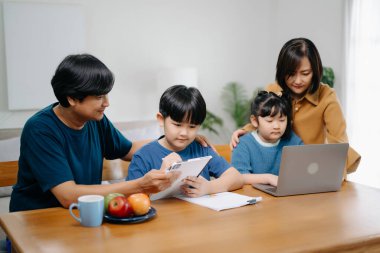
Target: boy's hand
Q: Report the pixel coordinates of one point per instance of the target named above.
(195, 186)
(169, 160)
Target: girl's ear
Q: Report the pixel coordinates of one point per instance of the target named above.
(254, 121)
(160, 119)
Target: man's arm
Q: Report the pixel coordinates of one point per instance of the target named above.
(152, 182)
(136, 145)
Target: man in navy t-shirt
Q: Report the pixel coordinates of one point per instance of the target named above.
(63, 145)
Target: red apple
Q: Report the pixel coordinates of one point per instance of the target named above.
(120, 207)
(108, 198)
(140, 203)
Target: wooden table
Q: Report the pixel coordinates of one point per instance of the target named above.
(345, 221)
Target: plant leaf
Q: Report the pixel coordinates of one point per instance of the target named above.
(211, 120)
(236, 103)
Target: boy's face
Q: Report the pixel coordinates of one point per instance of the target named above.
(178, 135)
(270, 129)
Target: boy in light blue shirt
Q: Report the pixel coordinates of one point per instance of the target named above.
(182, 110)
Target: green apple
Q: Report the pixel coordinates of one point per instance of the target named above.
(108, 198)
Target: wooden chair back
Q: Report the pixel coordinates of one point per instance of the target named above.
(114, 169)
(225, 151)
(8, 173)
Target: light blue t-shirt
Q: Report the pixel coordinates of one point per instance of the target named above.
(252, 157)
(150, 157)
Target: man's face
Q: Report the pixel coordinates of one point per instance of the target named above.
(91, 108)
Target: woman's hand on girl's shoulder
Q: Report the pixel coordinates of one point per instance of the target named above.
(235, 137)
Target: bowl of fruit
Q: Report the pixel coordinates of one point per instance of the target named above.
(132, 209)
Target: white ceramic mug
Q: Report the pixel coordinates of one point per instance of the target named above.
(91, 208)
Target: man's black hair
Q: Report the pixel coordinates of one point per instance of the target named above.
(79, 76)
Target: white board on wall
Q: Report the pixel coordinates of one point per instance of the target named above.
(37, 38)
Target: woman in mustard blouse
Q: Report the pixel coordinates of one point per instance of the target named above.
(317, 114)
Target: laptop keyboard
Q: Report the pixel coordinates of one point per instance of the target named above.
(271, 189)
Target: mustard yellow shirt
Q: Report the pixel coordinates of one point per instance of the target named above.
(318, 118)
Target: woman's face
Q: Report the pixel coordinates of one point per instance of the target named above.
(300, 81)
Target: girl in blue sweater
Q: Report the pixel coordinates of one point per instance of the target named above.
(258, 154)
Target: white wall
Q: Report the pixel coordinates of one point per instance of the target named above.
(225, 40)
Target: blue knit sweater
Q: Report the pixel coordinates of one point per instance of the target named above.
(250, 156)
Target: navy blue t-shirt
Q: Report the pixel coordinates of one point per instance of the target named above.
(52, 153)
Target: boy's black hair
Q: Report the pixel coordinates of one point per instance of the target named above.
(79, 76)
(289, 60)
(270, 104)
(183, 104)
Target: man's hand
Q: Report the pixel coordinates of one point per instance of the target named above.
(156, 181)
(204, 142)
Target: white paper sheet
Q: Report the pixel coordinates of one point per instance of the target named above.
(221, 201)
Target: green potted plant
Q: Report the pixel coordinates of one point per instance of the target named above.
(328, 76)
(236, 103)
(211, 121)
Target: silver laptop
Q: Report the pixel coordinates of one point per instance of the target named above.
(309, 168)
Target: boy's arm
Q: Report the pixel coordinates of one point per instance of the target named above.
(230, 180)
(137, 168)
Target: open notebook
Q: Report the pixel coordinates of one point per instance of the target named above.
(223, 200)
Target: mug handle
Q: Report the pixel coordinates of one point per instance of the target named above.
(73, 205)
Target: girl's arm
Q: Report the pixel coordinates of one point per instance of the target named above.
(260, 179)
